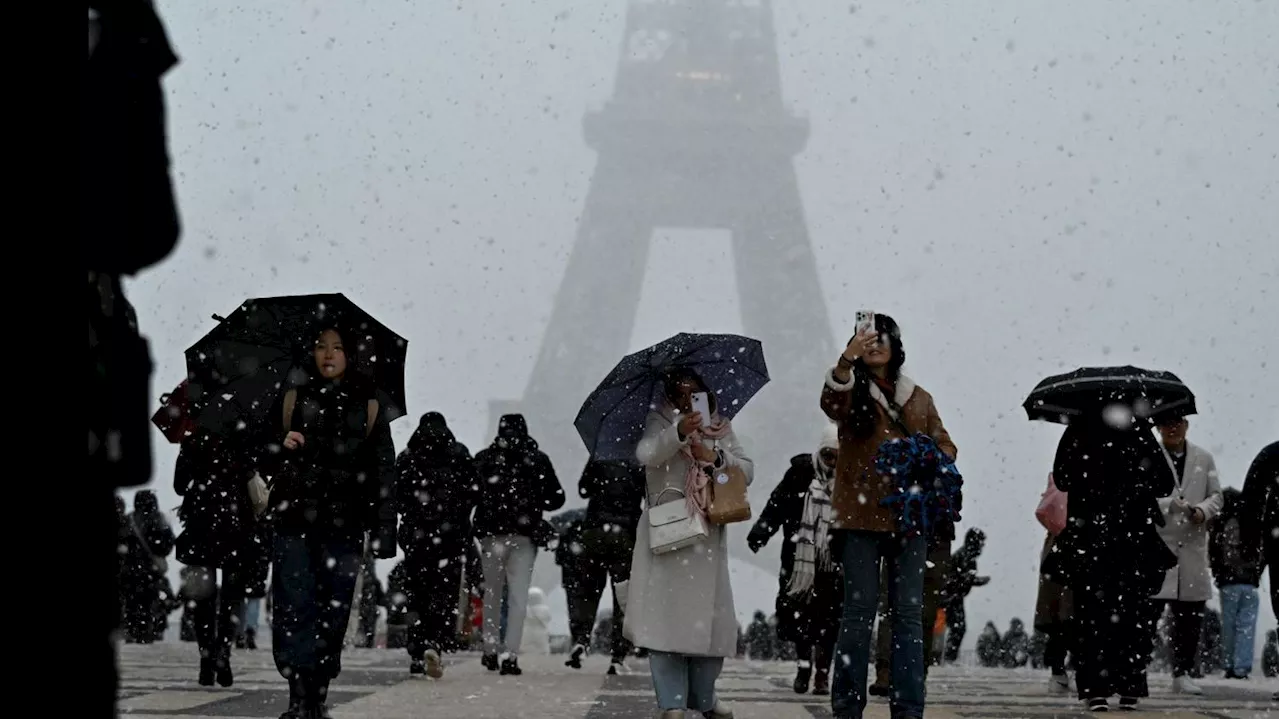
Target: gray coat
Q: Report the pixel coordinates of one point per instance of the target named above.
(680, 602)
(1191, 581)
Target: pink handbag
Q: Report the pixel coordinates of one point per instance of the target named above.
(1052, 512)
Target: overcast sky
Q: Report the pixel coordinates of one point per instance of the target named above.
(1026, 186)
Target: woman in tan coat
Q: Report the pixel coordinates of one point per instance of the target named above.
(871, 402)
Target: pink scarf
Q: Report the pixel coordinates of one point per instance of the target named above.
(697, 485)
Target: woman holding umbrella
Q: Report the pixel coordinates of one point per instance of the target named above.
(334, 483)
(1110, 554)
(680, 603)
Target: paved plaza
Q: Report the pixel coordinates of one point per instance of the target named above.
(158, 682)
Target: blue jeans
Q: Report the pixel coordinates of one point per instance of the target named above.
(685, 682)
(860, 554)
(1239, 620)
(252, 613)
(314, 578)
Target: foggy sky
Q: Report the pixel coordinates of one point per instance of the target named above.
(1025, 186)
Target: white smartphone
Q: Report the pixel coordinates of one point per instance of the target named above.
(701, 402)
(865, 322)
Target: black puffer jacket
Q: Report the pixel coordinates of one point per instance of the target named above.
(517, 483)
(613, 491)
(342, 479)
(1234, 560)
(437, 488)
(218, 525)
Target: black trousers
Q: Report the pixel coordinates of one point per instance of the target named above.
(606, 556)
(1184, 639)
(956, 627)
(215, 608)
(1056, 649)
(1113, 639)
(433, 581)
(314, 580)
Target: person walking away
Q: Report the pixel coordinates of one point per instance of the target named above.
(1053, 616)
(145, 566)
(1015, 646)
(130, 223)
(398, 614)
(1237, 569)
(1110, 555)
(1195, 501)
(218, 533)
(332, 482)
(680, 603)
(871, 402)
(810, 588)
(606, 540)
(437, 489)
(961, 580)
(989, 646)
(1261, 524)
(517, 484)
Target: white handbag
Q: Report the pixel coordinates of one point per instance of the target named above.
(259, 494)
(672, 526)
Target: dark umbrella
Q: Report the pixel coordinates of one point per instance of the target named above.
(1088, 390)
(173, 418)
(238, 370)
(611, 421)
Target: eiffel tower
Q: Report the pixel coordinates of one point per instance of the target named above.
(696, 136)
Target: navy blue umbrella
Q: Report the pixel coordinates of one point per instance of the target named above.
(1088, 391)
(611, 421)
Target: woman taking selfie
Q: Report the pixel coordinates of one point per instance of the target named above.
(679, 603)
(334, 483)
(871, 402)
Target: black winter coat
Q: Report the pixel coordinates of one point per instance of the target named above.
(153, 538)
(218, 525)
(1259, 497)
(1113, 478)
(517, 484)
(614, 491)
(437, 489)
(342, 480)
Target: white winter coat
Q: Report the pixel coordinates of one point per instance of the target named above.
(1191, 580)
(680, 602)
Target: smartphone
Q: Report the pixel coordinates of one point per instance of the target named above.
(701, 402)
(865, 322)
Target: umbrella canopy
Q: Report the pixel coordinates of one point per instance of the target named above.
(611, 420)
(562, 520)
(173, 418)
(1150, 394)
(240, 368)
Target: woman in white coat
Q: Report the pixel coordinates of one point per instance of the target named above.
(680, 603)
(1196, 501)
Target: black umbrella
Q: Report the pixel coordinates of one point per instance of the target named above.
(238, 371)
(611, 421)
(562, 520)
(1150, 394)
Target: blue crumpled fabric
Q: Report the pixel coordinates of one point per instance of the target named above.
(928, 487)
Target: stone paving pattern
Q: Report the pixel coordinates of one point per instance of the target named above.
(158, 682)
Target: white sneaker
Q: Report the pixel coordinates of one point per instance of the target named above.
(1059, 684)
(1184, 685)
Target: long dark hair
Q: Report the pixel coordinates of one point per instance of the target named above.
(863, 413)
(676, 376)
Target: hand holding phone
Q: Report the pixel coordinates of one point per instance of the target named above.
(864, 322)
(701, 403)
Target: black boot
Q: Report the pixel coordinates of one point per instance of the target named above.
(821, 683)
(801, 683)
(320, 704)
(206, 671)
(510, 667)
(490, 661)
(222, 668)
(251, 638)
(297, 698)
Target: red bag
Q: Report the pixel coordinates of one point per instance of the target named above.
(1052, 512)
